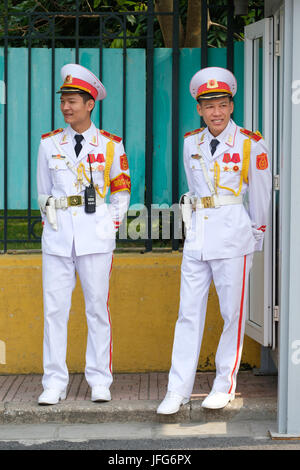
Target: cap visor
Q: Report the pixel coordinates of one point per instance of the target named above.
(210, 96)
(71, 90)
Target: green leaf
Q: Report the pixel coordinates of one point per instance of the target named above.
(131, 19)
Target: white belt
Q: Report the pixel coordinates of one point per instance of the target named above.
(215, 201)
(77, 200)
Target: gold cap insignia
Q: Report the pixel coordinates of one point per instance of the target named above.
(68, 79)
(212, 83)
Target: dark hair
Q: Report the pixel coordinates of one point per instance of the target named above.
(86, 97)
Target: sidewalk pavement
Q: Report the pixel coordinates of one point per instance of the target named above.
(135, 398)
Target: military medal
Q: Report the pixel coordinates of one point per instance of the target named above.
(58, 157)
(100, 158)
(226, 158)
(236, 158)
(91, 158)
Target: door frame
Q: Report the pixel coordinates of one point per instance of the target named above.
(263, 332)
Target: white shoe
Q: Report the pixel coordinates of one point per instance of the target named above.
(100, 393)
(171, 403)
(51, 396)
(217, 400)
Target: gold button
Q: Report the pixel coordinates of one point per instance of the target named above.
(74, 213)
(205, 217)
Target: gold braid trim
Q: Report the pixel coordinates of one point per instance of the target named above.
(246, 159)
(244, 171)
(110, 150)
(217, 180)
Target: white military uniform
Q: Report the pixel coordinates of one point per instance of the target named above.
(219, 246)
(79, 242)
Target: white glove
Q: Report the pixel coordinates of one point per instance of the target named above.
(51, 213)
(258, 233)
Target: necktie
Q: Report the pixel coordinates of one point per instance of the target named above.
(78, 145)
(213, 145)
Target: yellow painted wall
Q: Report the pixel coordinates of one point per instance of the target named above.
(144, 298)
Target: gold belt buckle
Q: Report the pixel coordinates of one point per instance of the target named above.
(208, 202)
(74, 200)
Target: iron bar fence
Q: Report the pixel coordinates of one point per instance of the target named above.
(51, 39)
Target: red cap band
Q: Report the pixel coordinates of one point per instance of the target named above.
(213, 86)
(81, 85)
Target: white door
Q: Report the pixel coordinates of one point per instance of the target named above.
(258, 115)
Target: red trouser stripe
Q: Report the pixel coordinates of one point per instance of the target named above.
(109, 319)
(240, 325)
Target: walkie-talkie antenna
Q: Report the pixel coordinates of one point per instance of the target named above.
(91, 173)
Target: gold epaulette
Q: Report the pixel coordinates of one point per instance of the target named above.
(110, 136)
(253, 135)
(196, 131)
(50, 134)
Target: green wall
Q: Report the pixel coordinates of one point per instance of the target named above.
(112, 77)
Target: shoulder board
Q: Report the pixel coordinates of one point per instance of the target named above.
(113, 137)
(253, 135)
(50, 134)
(196, 131)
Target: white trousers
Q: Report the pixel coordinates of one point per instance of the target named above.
(230, 277)
(59, 279)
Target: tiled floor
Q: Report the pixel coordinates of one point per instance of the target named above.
(139, 386)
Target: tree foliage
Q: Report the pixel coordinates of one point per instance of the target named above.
(38, 20)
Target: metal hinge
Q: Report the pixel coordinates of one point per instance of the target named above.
(276, 313)
(277, 49)
(276, 182)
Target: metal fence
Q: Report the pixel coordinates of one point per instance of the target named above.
(51, 39)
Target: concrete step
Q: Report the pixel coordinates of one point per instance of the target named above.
(135, 398)
(87, 412)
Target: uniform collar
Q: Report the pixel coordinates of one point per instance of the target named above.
(227, 136)
(90, 135)
(91, 140)
(226, 139)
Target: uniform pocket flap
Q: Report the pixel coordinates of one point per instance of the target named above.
(57, 164)
(194, 164)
